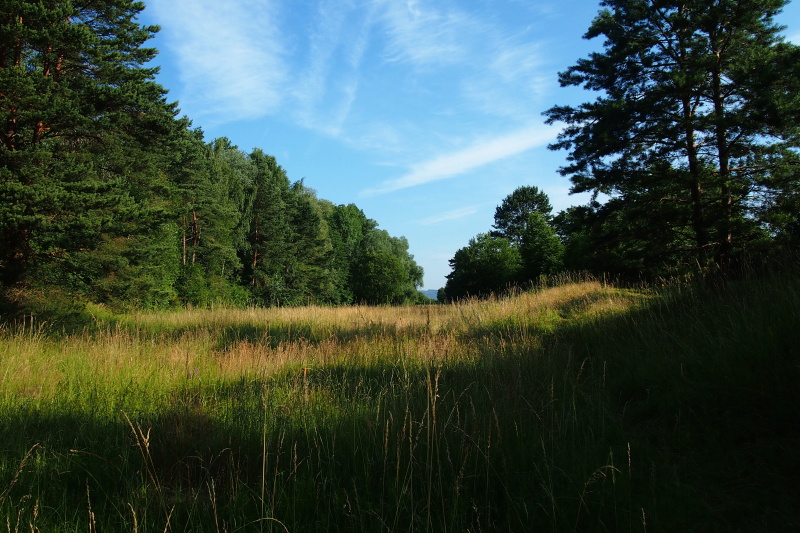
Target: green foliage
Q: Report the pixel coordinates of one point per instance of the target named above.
(381, 278)
(639, 235)
(541, 250)
(523, 248)
(266, 253)
(347, 227)
(81, 190)
(385, 273)
(485, 266)
(511, 216)
(143, 275)
(309, 247)
(694, 134)
(106, 196)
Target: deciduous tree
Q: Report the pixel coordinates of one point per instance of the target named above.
(486, 265)
(541, 250)
(511, 216)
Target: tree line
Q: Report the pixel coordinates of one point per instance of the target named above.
(691, 151)
(106, 195)
(690, 148)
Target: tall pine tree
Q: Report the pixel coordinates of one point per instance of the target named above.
(83, 126)
(696, 118)
(266, 256)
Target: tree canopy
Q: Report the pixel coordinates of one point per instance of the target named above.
(511, 216)
(487, 265)
(107, 196)
(85, 127)
(523, 248)
(694, 132)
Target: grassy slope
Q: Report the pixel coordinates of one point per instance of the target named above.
(577, 408)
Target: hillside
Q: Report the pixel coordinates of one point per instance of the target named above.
(431, 293)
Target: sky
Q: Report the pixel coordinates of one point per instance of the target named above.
(423, 113)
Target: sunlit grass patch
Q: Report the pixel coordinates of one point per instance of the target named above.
(573, 407)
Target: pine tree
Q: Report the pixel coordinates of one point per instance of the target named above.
(267, 254)
(309, 247)
(84, 126)
(210, 189)
(704, 87)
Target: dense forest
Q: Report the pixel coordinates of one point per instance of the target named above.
(107, 195)
(691, 151)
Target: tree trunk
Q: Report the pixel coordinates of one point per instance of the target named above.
(695, 187)
(195, 235)
(723, 155)
(256, 237)
(183, 258)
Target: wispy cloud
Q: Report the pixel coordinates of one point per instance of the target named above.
(514, 62)
(231, 61)
(466, 62)
(479, 154)
(455, 214)
(325, 36)
(329, 76)
(319, 67)
(421, 33)
(362, 37)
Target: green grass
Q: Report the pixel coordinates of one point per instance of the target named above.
(577, 408)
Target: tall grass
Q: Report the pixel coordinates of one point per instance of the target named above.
(579, 407)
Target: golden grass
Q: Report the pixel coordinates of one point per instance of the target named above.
(498, 414)
(432, 318)
(161, 350)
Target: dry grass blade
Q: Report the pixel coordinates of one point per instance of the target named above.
(135, 521)
(21, 467)
(598, 475)
(143, 444)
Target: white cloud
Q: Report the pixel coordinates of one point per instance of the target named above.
(231, 61)
(449, 215)
(328, 83)
(361, 41)
(324, 39)
(423, 35)
(516, 62)
(479, 154)
(318, 66)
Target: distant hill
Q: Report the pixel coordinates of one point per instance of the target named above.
(431, 293)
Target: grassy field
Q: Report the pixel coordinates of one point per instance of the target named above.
(582, 407)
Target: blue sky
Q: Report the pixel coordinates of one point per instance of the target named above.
(423, 113)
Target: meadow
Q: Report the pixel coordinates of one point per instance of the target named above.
(578, 407)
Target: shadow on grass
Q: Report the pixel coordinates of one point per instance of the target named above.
(680, 414)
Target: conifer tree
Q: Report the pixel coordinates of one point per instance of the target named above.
(309, 247)
(698, 101)
(210, 188)
(267, 253)
(83, 127)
